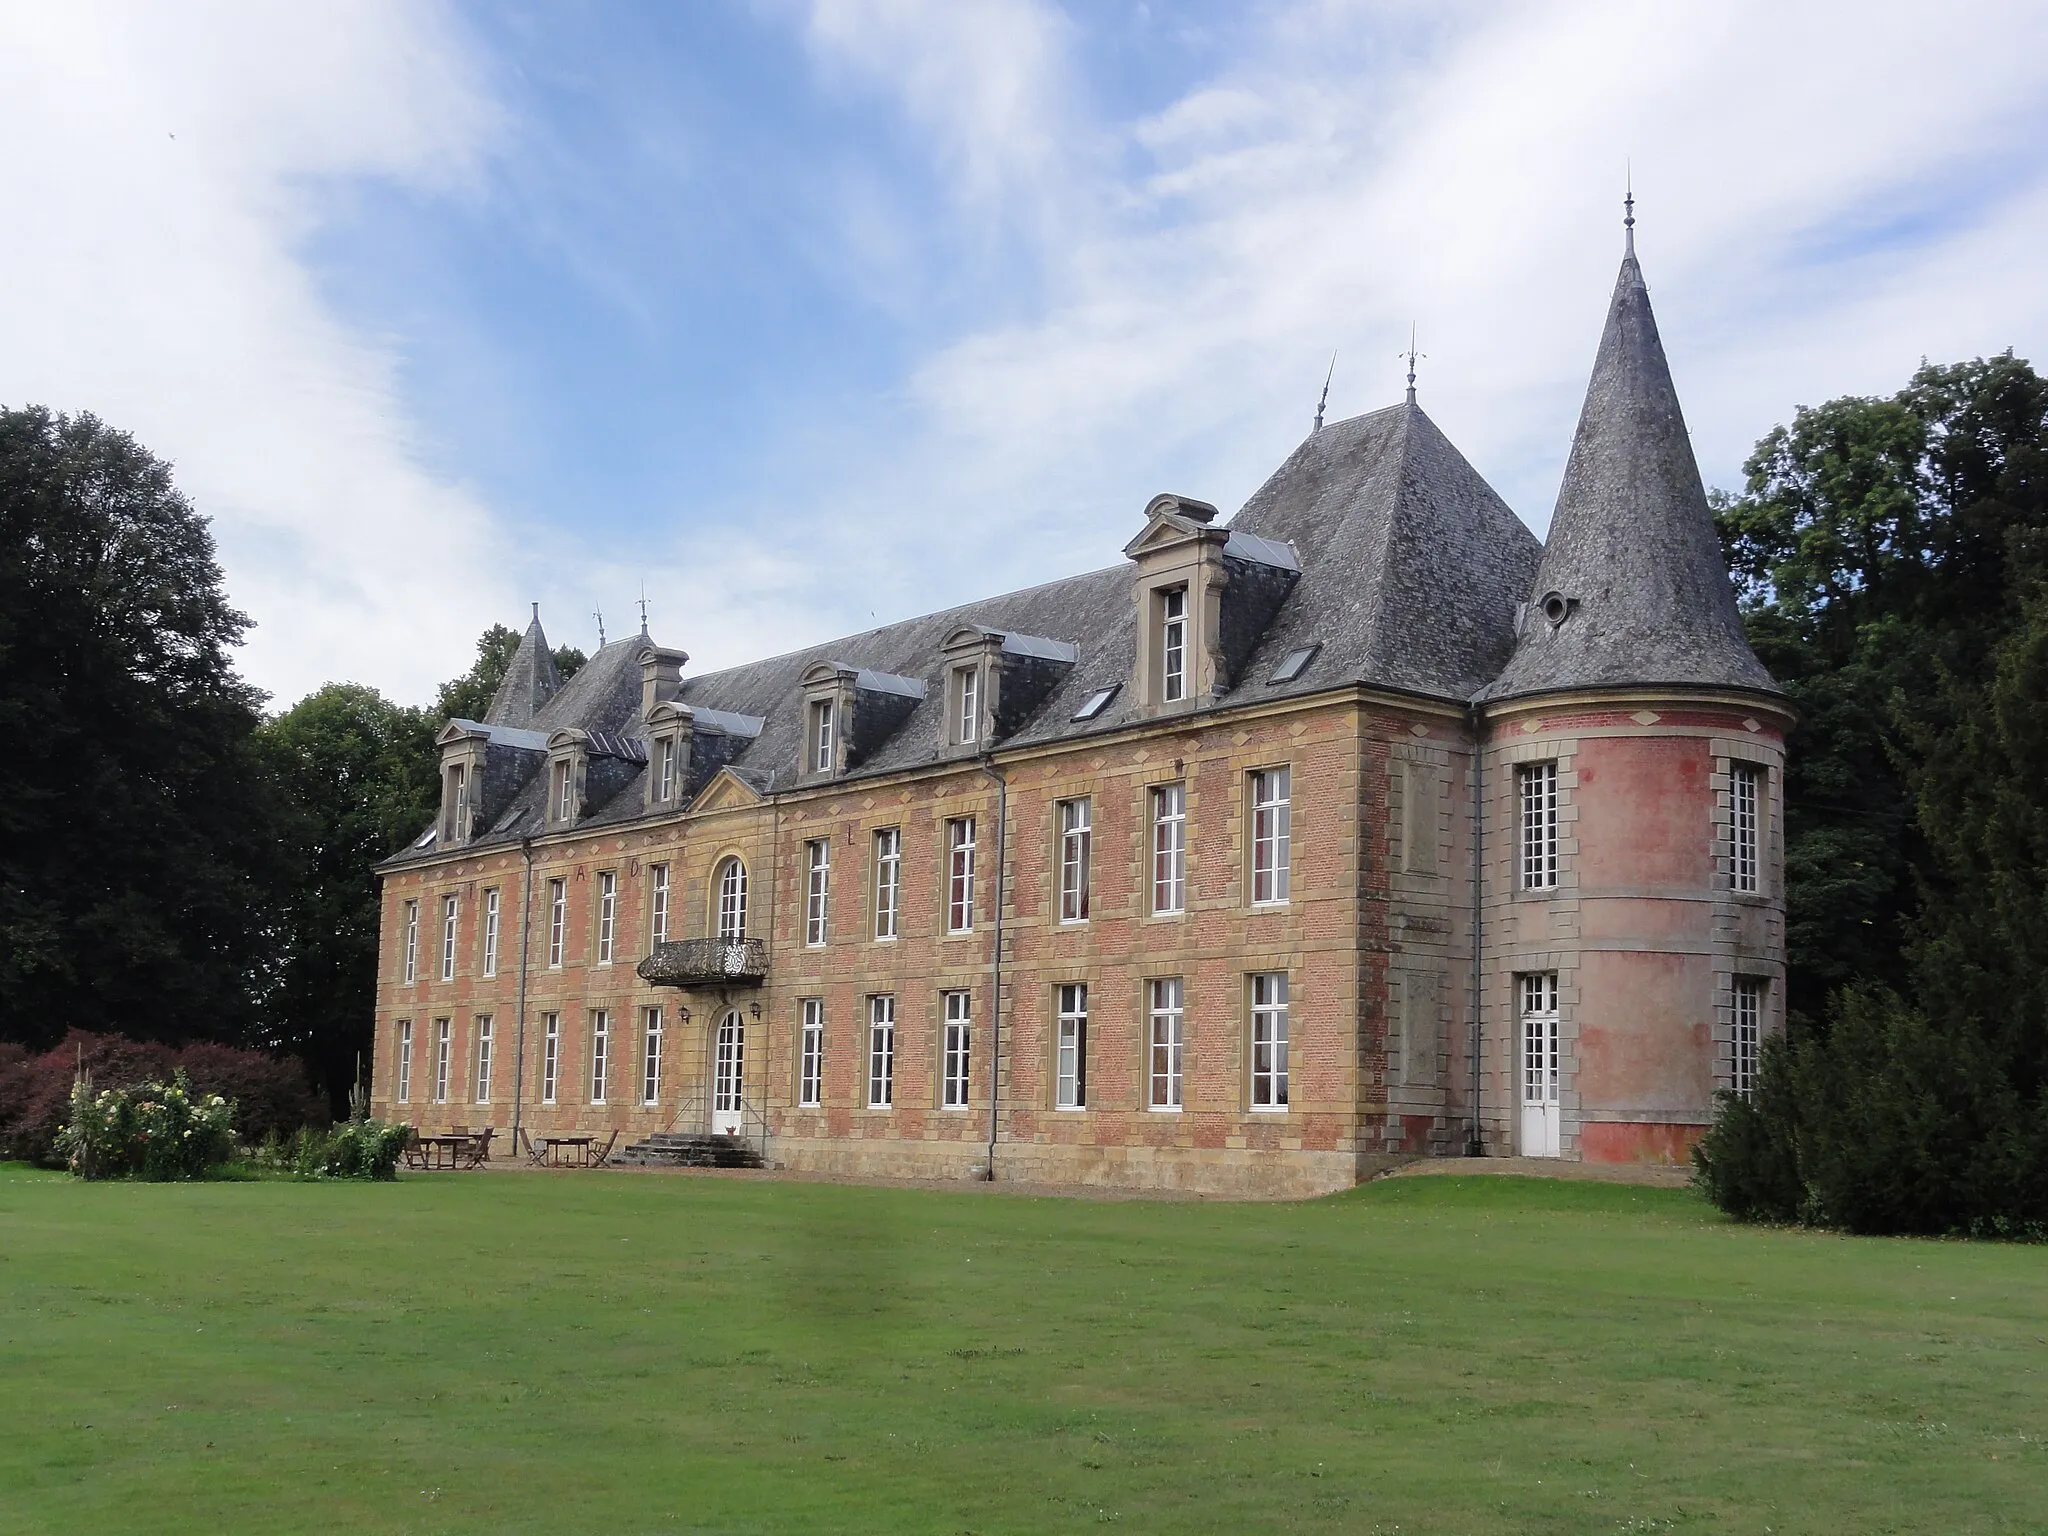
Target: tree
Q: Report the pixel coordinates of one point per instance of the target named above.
(468, 697)
(1894, 556)
(137, 828)
(359, 773)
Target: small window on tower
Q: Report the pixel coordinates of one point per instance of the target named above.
(1294, 663)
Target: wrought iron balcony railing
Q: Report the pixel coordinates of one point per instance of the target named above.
(707, 963)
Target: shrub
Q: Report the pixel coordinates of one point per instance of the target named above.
(355, 1149)
(156, 1131)
(35, 1090)
(1884, 1124)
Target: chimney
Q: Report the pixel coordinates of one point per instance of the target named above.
(661, 677)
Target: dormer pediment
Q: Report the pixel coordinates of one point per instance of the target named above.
(567, 737)
(826, 674)
(1169, 525)
(727, 791)
(456, 731)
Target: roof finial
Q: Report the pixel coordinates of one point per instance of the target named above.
(598, 614)
(1628, 209)
(1411, 354)
(536, 613)
(1326, 389)
(643, 610)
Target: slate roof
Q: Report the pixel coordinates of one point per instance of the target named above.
(1410, 569)
(529, 682)
(1632, 548)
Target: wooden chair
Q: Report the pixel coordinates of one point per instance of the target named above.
(599, 1156)
(415, 1153)
(478, 1151)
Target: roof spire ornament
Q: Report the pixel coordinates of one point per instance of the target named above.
(598, 614)
(1326, 389)
(643, 610)
(1411, 354)
(1628, 211)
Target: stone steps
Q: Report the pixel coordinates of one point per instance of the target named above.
(678, 1149)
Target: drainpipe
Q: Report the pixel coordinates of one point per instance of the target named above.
(1478, 723)
(519, 1058)
(995, 1048)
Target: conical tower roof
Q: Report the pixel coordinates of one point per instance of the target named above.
(530, 681)
(1632, 589)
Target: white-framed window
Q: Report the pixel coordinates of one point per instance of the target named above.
(1170, 848)
(966, 705)
(665, 769)
(607, 914)
(810, 1072)
(1749, 1022)
(444, 1050)
(412, 942)
(888, 880)
(458, 801)
(821, 736)
(483, 1058)
(1173, 644)
(817, 889)
(550, 1056)
(657, 905)
(491, 905)
(881, 1051)
(405, 1061)
(558, 921)
(732, 900)
(1536, 787)
(650, 1056)
(1076, 851)
(1269, 1040)
(565, 790)
(956, 1050)
(1070, 1048)
(1745, 790)
(600, 1052)
(960, 875)
(449, 908)
(1539, 1037)
(1272, 836)
(1164, 1066)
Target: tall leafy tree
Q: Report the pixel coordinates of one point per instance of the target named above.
(138, 832)
(1895, 560)
(359, 775)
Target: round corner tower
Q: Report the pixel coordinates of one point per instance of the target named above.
(1632, 949)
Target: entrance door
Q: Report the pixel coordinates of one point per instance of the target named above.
(1539, 1065)
(727, 1075)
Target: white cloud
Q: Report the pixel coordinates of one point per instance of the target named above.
(1353, 168)
(166, 165)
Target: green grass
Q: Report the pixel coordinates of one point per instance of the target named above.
(620, 1353)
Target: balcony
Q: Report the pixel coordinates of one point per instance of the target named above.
(707, 963)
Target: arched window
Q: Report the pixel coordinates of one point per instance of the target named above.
(732, 900)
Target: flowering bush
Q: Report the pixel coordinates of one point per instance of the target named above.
(154, 1131)
(355, 1149)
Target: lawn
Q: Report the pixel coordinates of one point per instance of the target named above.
(631, 1353)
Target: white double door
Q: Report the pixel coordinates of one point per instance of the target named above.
(1539, 1085)
(728, 1073)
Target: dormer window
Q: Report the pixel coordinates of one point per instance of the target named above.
(565, 790)
(672, 729)
(966, 705)
(822, 737)
(1173, 644)
(665, 769)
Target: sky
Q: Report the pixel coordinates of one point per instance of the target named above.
(800, 317)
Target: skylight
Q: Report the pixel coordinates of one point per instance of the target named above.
(1294, 663)
(1096, 702)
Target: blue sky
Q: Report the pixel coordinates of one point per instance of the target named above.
(809, 314)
